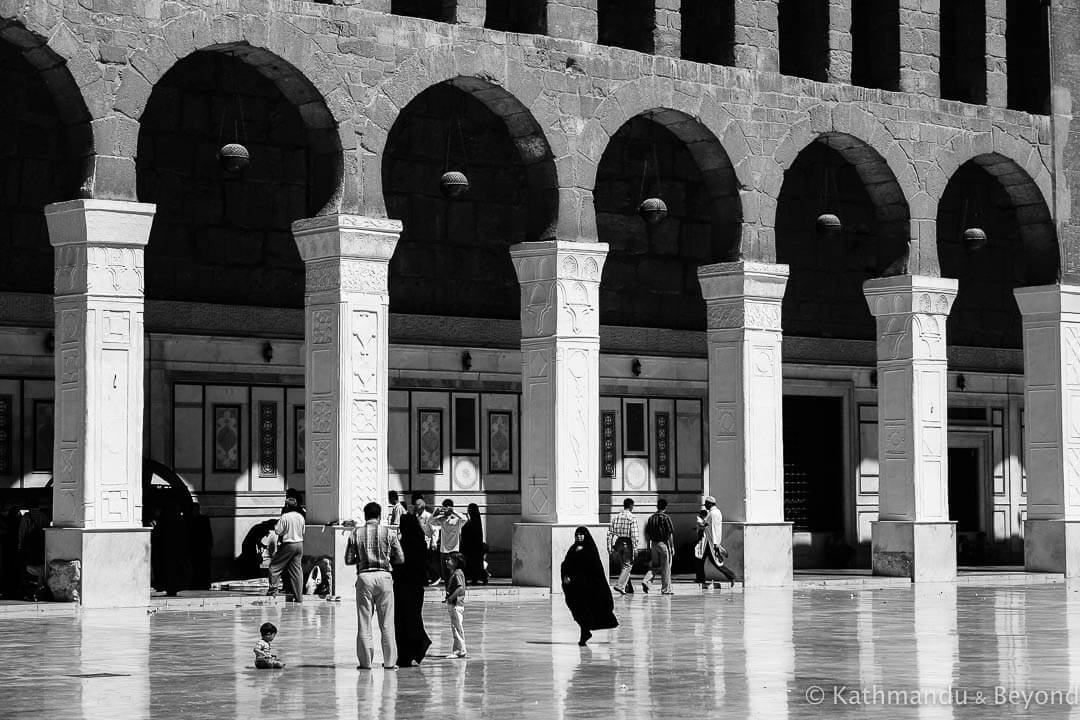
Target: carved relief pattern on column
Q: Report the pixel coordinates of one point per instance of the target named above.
(538, 388)
(322, 327)
(577, 430)
(1070, 413)
(365, 468)
(365, 350)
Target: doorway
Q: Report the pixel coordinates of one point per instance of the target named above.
(814, 479)
(967, 497)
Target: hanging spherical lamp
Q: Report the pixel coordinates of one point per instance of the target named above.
(652, 210)
(453, 184)
(828, 224)
(233, 157)
(975, 238)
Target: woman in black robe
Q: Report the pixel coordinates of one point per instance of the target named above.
(473, 547)
(410, 578)
(585, 586)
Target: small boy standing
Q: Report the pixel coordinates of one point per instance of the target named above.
(265, 657)
(455, 605)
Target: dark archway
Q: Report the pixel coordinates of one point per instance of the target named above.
(453, 256)
(650, 275)
(993, 193)
(824, 296)
(45, 143)
(224, 238)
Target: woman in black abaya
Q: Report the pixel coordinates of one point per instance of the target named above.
(410, 578)
(585, 586)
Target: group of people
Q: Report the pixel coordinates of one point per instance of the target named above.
(709, 551)
(396, 560)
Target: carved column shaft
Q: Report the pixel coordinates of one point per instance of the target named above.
(912, 395)
(346, 327)
(97, 456)
(1052, 426)
(746, 448)
(560, 348)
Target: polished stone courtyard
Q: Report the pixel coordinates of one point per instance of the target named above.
(936, 651)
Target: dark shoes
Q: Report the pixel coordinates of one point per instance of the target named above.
(645, 588)
(585, 635)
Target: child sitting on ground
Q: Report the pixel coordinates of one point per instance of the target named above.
(455, 604)
(265, 657)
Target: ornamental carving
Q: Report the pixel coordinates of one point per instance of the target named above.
(365, 469)
(355, 276)
(365, 350)
(322, 327)
(752, 315)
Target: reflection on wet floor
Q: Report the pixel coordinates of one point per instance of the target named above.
(933, 651)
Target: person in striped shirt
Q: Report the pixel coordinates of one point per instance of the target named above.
(622, 540)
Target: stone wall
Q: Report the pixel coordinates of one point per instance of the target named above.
(350, 70)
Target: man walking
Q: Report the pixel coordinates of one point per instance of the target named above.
(373, 548)
(394, 510)
(660, 534)
(709, 547)
(431, 535)
(449, 523)
(622, 540)
(290, 552)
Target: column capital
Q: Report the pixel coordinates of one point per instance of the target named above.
(910, 294)
(1049, 302)
(359, 237)
(560, 288)
(104, 223)
(727, 281)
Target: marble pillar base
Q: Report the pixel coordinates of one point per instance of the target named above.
(330, 541)
(115, 563)
(922, 551)
(539, 549)
(759, 553)
(1052, 546)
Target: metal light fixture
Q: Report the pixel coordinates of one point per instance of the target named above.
(961, 382)
(466, 361)
(828, 223)
(454, 183)
(50, 341)
(652, 209)
(635, 367)
(973, 236)
(268, 351)
(233, 157)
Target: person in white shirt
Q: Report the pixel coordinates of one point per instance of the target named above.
(290, 552)
(708, 550)
(394, 510)
(431, 535)
(449, 524)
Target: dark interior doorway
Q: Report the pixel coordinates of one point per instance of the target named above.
(813, 480)
(965, 505)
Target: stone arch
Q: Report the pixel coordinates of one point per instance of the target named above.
(507, 88)
(997, 194)
(454, 255)
(889, 177)
(1019, 168)
(288, 57)
(827, 168)
(74, 81)
(650, 276)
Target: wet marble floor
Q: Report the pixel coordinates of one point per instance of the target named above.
(937, 651)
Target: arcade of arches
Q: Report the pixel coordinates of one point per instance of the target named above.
(870, 361)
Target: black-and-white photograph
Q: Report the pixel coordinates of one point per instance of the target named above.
(539, 359)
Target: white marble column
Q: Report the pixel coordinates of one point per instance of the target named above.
(97, 455)
(746, 445)
(560, 401)
(1052, 427)
(913, 536)
(346, 332)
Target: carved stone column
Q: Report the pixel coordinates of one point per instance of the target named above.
(560, 401)
(97, 455)
(1052, 427)
(913, 536)
(346, 332)
(746, 445)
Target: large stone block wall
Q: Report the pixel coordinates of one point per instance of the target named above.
(351, 71)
